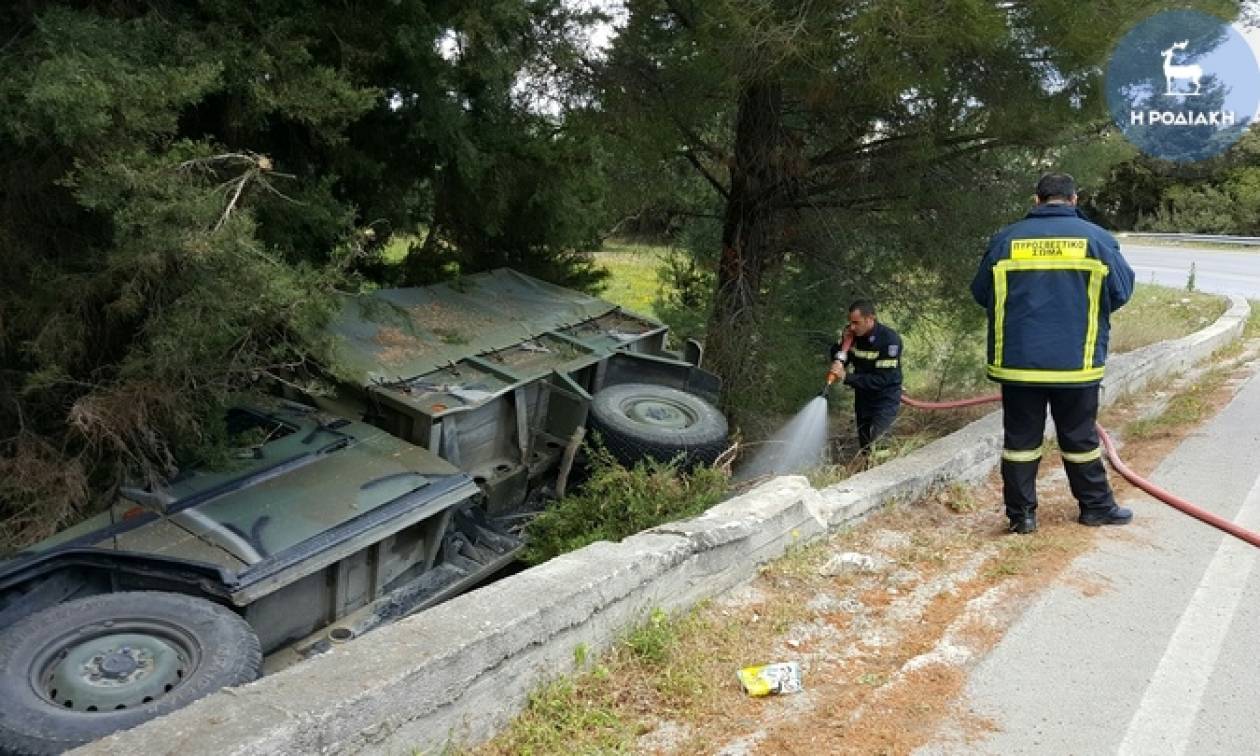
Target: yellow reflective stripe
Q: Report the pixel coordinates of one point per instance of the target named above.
(1081, 458)
(885, 363)
(864, 355)
(1088, 263)
(999, 310)
(1091, 332)
(1017, 455)
(1045, 376)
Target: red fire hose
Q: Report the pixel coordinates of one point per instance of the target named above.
(1172, 500)
(1169, 498)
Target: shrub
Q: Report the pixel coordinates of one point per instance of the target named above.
(617, 502)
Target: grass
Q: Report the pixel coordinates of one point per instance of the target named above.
(675, 667)
(1185, 408)
(634, 283)
(1018, 554)
(1156, 313)
(959, 498)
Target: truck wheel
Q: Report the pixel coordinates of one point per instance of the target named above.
(80, 670)
(641, 419)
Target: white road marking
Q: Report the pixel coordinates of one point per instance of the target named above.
(1165, 718)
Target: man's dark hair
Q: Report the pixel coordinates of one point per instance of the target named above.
(1054, 186)
(864, 306)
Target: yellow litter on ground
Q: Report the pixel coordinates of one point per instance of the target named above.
(771, 679)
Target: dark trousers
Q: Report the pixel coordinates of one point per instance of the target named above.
(1075, 411)
(874, 417)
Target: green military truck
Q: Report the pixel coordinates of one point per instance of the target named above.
(459, 411)
(501, 375)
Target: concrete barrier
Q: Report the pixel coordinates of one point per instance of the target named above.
(457, 673)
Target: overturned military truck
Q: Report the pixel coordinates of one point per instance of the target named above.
(460, 410)
(501, 374)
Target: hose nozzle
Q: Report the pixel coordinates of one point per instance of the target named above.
(826, 389)
(832, 376)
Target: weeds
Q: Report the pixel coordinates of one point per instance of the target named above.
(681, 668)
(959, 498)
(1018, 554)
(650, 642)
(565, 706)
(1185, 408)
(617, 502)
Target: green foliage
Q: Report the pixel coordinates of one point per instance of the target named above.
(840, 151)
(1218, 196)
(686, 295)
(617, 502)
(651, 642)
(185, 187)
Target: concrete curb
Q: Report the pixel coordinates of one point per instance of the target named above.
(457, 673)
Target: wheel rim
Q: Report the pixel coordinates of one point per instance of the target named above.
(113, 666)
(659, 412)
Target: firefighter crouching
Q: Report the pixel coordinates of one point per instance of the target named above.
(871, 365)
(1050, 283)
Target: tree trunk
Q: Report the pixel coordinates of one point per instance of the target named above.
(750, 252)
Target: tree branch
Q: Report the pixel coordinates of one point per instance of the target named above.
(849, 152)
(713, 181)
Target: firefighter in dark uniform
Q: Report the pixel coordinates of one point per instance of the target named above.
(1050, 283)
(872, 367)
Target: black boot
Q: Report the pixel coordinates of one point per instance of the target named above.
(1023, 525)
(1114, 516)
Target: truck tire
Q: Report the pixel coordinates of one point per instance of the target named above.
(637, 420)
(83, 669)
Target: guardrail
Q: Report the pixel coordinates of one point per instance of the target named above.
(1241, 241)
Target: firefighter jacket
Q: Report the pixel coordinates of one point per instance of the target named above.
(873, 366)
(1050, 283)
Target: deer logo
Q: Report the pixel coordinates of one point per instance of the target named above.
(1173, 72)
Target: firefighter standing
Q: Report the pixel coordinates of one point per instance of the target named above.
(1050, 283)
(872, 367)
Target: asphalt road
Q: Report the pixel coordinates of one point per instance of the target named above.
(1149, 646)
(1216, 271)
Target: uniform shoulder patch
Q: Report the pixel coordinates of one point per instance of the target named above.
(893, 349)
